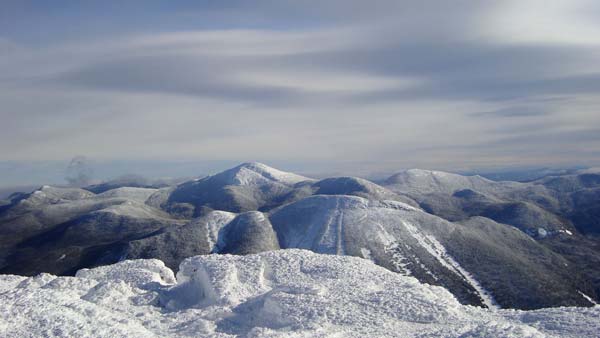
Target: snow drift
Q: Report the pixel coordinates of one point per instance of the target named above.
(284, 293)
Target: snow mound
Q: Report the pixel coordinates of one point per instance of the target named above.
(137, 272)
(285, 293)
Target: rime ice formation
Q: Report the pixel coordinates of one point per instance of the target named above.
(283, 293)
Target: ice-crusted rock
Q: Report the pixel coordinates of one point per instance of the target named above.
(284, 293)
(136, 272)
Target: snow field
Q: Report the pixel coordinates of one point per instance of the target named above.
(284, 293)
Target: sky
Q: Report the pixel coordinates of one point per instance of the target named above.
(167, 88)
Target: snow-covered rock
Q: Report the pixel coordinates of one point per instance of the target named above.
(137, 272)
(284, 293)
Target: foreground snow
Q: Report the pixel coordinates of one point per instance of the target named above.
(285, 293)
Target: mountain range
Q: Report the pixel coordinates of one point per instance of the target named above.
(524, 245)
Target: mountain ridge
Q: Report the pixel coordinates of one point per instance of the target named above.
(427, 224)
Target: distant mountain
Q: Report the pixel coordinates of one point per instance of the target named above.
(249, 186)
(6, 192)
(561, 212)
(133, 181)
(255, 186)
(508, 244)
(60, 230)
(547, 204)
(526, 175)
(422, 182)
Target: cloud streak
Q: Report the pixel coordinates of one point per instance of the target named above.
(392, 83)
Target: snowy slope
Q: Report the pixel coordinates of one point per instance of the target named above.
(285, 293)
(475, 262)
(60, 230)
(562, 212)
(215, 232)
(529, 206)
(132, 193)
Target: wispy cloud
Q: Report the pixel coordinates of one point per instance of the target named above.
(394, 83)
(511, 112)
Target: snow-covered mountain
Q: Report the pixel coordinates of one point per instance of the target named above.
(494, 244)
(553, 203)
(560, 212)
(247, 187)
(423, 182)
(284, 293)
(475, 259)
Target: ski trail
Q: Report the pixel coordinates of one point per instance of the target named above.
(340, 231)
(329, 241)
(437, 250)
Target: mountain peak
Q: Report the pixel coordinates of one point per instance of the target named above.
(422, 172)
(251, 172)
(254, 164)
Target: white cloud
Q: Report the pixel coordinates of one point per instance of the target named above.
(542, 22)
(323, 80)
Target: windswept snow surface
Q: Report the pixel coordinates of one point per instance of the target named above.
(284, 293)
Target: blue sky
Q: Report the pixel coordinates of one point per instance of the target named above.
(353, 87)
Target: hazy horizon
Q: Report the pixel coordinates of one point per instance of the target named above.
(31, 175)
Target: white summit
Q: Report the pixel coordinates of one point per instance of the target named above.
(251, 173)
